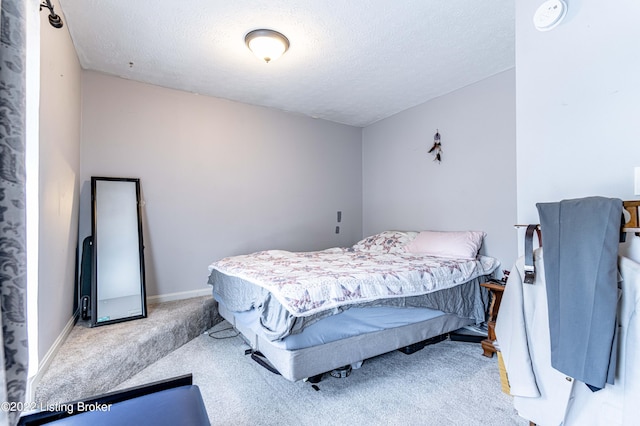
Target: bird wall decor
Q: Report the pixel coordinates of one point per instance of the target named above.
(436, 149)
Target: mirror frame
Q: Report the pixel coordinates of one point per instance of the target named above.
(95, 254)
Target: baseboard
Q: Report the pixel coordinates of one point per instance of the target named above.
(33, 381)
(161, 298)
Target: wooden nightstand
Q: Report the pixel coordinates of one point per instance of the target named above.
(495, 290)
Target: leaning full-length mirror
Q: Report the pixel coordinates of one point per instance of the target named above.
(118, 283)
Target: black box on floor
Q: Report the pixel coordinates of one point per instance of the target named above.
(474, 334)
(466, 337)
(417, 346)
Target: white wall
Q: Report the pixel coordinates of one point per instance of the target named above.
(473, 188)
(59, 180)
(577, 91)
(218, 177)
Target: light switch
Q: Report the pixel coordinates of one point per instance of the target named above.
(636, 180)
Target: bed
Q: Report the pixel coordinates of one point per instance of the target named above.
(309, 313)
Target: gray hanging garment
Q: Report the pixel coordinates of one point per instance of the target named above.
(581, 239)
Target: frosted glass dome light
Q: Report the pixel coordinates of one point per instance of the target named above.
(267, 45)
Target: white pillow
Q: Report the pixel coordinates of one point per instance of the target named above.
(447, 244)
(386, 242)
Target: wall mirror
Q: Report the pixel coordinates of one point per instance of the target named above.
(118, 282)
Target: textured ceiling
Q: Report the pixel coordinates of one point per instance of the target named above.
(350, 61)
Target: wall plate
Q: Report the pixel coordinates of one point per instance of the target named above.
(549, 15)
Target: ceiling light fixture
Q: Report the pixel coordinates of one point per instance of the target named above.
(267, 45)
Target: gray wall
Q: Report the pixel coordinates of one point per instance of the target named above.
(577, 91)
(473, 188)
(208, 166)
(58, 182)
(218, 177)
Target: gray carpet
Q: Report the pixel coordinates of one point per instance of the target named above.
(94, 360)
(448, 383)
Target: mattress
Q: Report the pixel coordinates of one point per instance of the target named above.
(298, 364)
(294, 289)
(306, 283)
(349, 323)
(312, 312)
(467, 300)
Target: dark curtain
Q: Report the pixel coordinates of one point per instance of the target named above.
(13, 276)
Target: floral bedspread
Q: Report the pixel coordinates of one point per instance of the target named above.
(306, 283)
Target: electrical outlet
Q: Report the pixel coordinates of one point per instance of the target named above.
(339, 216)
(337, 229)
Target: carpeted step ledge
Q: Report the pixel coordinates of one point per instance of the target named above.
(95, 360)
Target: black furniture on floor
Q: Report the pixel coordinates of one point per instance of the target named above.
(169, 402)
